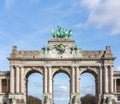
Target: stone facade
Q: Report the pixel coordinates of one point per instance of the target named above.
(60, 55)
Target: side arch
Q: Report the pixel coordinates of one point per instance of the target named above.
(95, 72)
(91, 70)
(30, 70)
(27, 72)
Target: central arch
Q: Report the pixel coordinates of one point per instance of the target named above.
(61, 75)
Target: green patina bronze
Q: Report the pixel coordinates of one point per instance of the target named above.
(74, 99)
(46, 49)
(74, 48)
(61, 33)
(60, 48)
(109, 99)
(12, 100)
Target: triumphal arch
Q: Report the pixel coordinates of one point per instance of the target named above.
(61, 54)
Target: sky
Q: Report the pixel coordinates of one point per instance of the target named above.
(28, 23)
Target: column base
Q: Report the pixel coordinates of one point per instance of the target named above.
(107, 98)
(47, 99)
(75, 99)
(17, 98)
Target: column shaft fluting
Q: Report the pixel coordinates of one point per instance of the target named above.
(17, 80)
(100, 78)
(73, 80)
(105, 79)
(50, 80)
(22, 80)
(45, 80)
(111, 79)
(77, 80)
(12, 82)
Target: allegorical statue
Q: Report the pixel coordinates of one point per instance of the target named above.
(61, 33)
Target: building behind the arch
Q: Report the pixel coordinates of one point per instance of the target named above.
(61, 54)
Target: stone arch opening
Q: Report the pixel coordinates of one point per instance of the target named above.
(61, 71)
(34, 86)
(89, 84)
(61, 87)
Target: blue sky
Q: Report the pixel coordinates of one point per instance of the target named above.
(27, 24)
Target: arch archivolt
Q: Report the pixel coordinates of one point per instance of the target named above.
(66, 70)
(93, 70)
(32, 69)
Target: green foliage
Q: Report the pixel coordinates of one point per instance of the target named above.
(61, 33)
(88, 99)
(33, 100)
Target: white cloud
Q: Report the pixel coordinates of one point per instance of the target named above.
(90, 5)
(62, 89)
(103, 13)
(118, 68)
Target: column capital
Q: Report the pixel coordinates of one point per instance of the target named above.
(100, 66)
(74, 66)
(17, 66)
(47, 66)
(11, 66)
(105, 66)
(21, 66)
(111, 66)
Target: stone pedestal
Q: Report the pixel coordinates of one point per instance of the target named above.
(47, 99)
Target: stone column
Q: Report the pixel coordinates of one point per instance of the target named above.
(0, 85)
(77, 80)
(45, 80)
(111, 79)
(50, 84)
(50, 80)
(105, 79)
(77, 89)
(17, 80)
(12, 77)
(73, 80)
(22, 81)
(100, 79)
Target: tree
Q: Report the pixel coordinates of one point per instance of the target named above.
(34, 100)
(88, 99)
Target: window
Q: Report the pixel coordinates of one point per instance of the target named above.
(118, 85)
(118, 98)
(4, 85)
